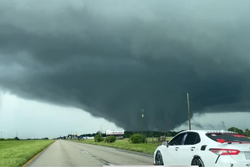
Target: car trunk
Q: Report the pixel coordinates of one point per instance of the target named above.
(243, 155)
(231, 144)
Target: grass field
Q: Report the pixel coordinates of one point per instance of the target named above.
(148, 148)
(18, 152)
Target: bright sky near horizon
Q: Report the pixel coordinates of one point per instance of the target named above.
(31, 119)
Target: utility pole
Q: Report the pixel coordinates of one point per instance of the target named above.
(101, 130)
(188, 104)
(1, 134)
(152, 136)
(142, 116)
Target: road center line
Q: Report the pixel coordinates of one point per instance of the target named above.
(84, 152)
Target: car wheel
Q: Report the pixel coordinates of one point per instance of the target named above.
(198, 162)
(158, 158)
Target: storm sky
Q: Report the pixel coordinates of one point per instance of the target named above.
(113, 58)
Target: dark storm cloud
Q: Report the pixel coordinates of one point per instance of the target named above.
(113, 58)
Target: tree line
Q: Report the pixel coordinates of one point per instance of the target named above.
(127, 134)
(239, 131)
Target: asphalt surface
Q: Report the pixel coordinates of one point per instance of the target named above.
(67, 153)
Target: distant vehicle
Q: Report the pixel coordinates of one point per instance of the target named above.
(205, 148)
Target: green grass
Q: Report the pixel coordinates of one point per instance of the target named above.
(155, 139)
(18, 152)
(148, 148)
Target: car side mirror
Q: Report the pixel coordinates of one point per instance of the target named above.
(166, 143)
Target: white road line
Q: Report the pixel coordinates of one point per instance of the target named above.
(84, 152)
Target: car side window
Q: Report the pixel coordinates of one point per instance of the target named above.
(192, 138)
(177, 140)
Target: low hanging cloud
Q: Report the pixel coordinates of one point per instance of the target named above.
(114, 58)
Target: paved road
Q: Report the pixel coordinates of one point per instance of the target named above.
(67, 153)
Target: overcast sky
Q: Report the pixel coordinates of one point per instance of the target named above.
(101, 62)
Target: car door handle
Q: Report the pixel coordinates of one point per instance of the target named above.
(192, 148)
(176, 148)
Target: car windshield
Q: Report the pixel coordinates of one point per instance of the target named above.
(228, 137)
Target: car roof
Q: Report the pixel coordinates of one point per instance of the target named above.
(208, 131)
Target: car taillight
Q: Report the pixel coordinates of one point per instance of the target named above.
(221, 151)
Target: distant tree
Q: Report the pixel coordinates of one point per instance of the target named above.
(127, 134)
(69, 136)
(110, 139)
(138, 138)
(234, 129)
(169, 134)
(247, 132)
(100, 133)
(98, 138)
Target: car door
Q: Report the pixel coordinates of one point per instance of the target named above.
(189, 148)
(170, 153)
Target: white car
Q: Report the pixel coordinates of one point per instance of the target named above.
(205, 148)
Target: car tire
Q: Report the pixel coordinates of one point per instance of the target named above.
(198, 162)
(158, 158)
